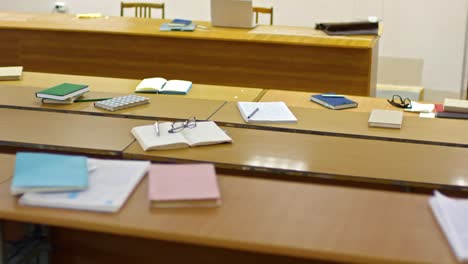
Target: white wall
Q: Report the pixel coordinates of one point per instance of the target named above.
(433, 30)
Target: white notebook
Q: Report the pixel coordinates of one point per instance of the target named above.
(205, 133)
(110, 184)
(11, 73)
(452, 215)
(266, 112)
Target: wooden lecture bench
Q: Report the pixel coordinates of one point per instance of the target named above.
(126, 86)
(434, 131)
(270, 57)
(283, 155)
(259, 221)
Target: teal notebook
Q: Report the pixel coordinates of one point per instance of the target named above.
(37, 172)
(63, 91)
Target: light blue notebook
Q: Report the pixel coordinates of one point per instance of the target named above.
(35, 172)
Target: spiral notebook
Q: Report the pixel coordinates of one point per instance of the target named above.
(122, 102)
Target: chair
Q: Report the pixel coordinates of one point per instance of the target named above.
(142, 9)
(263, 10)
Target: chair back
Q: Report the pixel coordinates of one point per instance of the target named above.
(142, 9)
(263, 10)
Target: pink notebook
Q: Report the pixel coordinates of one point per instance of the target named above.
(183, 185)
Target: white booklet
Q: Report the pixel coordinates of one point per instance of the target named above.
(452, 215)
(204, 133)
(110, 184)
(265, 112)
(163, 86)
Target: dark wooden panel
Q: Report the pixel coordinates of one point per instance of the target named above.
(71, 246)
(237, 63)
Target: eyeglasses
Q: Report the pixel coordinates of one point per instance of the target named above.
(400, 102)
(179, 126)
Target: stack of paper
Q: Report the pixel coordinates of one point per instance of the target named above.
(75, 182)
(451, 215)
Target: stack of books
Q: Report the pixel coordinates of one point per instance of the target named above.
(65, 93)
(452, 108)
(75, 182)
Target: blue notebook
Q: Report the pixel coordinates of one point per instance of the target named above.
(177, 27)
(37, 172)
(333, 101)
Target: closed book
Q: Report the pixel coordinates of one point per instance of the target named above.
(183, 185)
(386, 118)
(439, 112)
(111, 182)
(333, 102)
(455, 105)
(177, 27)
(63, 91)
(40, 172)
(11, 73)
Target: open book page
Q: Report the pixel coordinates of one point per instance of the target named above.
(205, 133)
(148, 137)
(176, 87)
(451, 215)
(150, 85)
(110, 184)
(264, 112)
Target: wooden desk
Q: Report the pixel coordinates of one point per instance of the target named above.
(160, 107)
(434, 131)
(120, 85)
(254, 224)
(301, 99)
(126, 47)
(22, 129)
(324, 157)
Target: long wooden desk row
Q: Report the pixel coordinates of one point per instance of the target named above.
(62, 43)
(447, 132)
(256, 151)
(303, 224)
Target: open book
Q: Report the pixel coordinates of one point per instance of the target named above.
(163, 86)
(264, 112)
(204, 133)
(451, 214)
(110, 184)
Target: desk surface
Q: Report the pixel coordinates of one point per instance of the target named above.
(168, 107)
(65, 132)
(220, 56)
(142, 26)
(121, 85)
(301, 99)
(337, 158)
(317, 222)
(436, 131)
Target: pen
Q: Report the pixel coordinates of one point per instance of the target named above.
(90, 99)
(333, 95)
(253, 113)
(156, 127)
(202, 27)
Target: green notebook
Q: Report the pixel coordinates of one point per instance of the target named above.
(63, 91)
